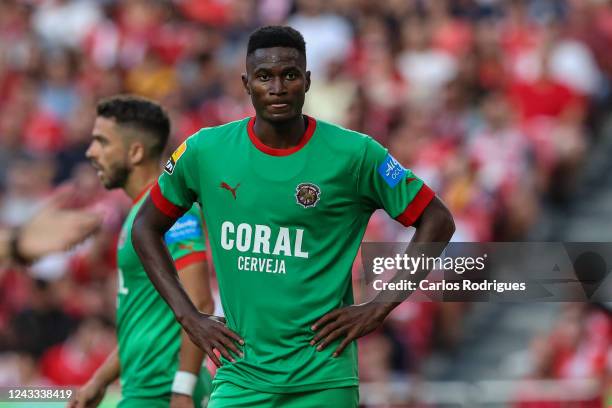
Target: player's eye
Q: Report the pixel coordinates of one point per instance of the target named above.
(291, 76)
(101, 141)
(263, 77)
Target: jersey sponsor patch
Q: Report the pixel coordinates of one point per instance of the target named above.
(171, 163)
(391, 171)
(185, 228)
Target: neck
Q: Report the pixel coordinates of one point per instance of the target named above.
(280, 135)
(140, 178)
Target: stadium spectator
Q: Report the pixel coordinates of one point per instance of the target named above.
(443, 83)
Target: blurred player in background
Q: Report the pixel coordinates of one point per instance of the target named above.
(157, 366)
(287, 200)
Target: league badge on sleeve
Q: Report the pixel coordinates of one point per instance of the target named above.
(391, 171)
(185, 228)
(171, 163)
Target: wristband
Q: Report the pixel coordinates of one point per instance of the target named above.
(184, 383)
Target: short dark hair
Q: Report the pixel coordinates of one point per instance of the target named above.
(276, 36)
(142, 114)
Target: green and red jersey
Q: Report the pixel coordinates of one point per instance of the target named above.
(148, 335)
(284, 228)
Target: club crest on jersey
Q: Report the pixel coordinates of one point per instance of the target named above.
(307, 194)
(171, 163)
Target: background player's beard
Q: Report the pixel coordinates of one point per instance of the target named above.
(117, 176)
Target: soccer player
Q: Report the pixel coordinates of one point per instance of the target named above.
(286, 200)
(157, 366)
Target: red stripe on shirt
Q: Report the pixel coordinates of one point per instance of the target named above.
(310, 128)
(190, 259)
(142, 193)
(416, 207)
(164, 205)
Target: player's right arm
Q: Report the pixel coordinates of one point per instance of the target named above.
(168, 200)
(92, 393)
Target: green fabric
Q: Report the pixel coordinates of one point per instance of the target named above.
(148, 335)
(226, 394)
(135, 402)
(284, 231)
(201, 395)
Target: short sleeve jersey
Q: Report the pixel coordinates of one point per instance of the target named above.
(284, 226)
(147, 333)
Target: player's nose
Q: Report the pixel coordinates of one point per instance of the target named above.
(277, 86)
(90, 152)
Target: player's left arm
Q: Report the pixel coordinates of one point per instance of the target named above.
(435, 228)
(385, 183)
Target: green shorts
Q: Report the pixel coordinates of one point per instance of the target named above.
(226, 394)
(201, 395)
(135, 402)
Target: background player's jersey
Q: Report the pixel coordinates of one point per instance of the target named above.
(285, 226)
(148, 335)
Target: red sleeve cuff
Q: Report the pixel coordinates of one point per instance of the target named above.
(164, 205)
(416, 207)
(189, 259)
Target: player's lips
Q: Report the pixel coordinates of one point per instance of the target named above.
(98, 168)
(278, 105)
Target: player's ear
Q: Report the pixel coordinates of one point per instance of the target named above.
(245, 83)
(307, 80)
(136, 153)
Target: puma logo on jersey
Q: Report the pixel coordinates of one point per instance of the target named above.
(410, 180)
(230, 189)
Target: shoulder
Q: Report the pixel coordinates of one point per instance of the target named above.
(343, 140)
(217, 134)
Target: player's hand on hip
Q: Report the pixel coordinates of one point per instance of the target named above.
(351, 322)
(210, 333)
(88, 396)
(181, 401)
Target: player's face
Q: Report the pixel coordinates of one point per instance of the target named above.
(277, 81)
(108, 154)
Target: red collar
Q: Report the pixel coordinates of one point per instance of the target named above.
(310, 128)
(142, 193)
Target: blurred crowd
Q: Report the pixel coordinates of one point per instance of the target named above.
(576, 347)
(495, 104)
